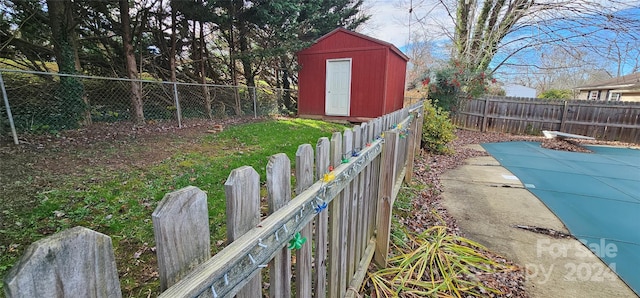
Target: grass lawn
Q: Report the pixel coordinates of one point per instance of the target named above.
(118, 201)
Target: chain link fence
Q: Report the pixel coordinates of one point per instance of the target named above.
(40, 102)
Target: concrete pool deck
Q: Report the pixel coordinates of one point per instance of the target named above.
(488, 203)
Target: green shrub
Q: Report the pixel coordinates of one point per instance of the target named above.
(456, 82)
(556, 94)
(437, 129)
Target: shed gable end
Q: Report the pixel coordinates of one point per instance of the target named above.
(343, 41)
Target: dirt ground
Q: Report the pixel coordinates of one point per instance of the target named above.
(41, 160)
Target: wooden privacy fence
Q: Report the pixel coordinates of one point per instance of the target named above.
(336, 226)
(613, 121)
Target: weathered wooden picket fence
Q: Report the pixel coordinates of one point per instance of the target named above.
(615, 121)
(336, 226)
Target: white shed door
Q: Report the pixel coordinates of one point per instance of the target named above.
(338, 87)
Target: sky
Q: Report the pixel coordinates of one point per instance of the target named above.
(390, 20)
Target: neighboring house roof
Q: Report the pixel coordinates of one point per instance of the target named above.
(631, 81)
(519, 91)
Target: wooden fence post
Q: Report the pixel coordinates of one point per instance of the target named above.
(420, 123)
(181, 231)
(242, 190)
(279, 190)
(413, 139)
(372, 189)
(322, 221)
(361, 214)
(345, 206)
(367, 198)
(385, 196)
(334, 223)
(563, 117)
(304, 179)
(374, 175)
(77, 262)
(485, 115)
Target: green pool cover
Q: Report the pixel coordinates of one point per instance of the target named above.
(596, 195)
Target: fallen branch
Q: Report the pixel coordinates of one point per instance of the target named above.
(546, 231)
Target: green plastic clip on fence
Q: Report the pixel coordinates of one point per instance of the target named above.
(345, 160)
(297, 241)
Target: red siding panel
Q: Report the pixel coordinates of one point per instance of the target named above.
(396, 77)
(367, 83)
(311, 81)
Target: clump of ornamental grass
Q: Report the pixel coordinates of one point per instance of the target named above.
(436, 263)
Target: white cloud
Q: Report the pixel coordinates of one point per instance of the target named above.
(388, 21)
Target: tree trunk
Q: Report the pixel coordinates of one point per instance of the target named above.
(476, 39)
(232, 61)
(131, 67)
(172, 57)
(75, 104)
(172, 49)
(286, 92)
(246, 60)
(203, 73)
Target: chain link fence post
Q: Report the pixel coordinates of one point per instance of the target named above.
(255, 105)
(178, 110)
(9, 115)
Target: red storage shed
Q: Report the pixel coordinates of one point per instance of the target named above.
(350, 76)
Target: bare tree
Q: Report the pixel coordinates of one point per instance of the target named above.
(619, 55)
(490, 33)
(559, 68)
(421, 57)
